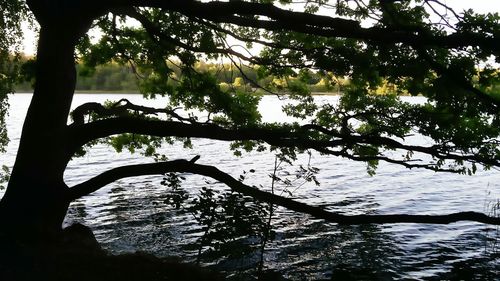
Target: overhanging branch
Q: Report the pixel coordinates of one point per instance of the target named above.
(123, 107)
(185, 166)
(239, 12)
(279, 136)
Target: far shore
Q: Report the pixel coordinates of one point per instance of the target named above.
(88, 92)
(137, 93)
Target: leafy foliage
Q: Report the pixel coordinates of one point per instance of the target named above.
(226, 217)
(4, 176)
(233, 224)
(459, 112)
(12, 14)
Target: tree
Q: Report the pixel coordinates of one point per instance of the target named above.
(407, 44)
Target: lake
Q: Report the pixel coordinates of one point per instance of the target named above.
(131, 215)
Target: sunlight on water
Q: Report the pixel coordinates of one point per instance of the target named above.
(131, 215)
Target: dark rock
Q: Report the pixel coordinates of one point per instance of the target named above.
(76, 255)
(80, 237)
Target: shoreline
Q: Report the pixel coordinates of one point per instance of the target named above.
(137, 93)
(85, 93)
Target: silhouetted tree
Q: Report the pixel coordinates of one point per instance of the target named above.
(443, 56)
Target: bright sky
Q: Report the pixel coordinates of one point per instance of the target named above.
(480, 6)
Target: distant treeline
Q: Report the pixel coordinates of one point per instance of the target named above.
(114, 77)
(106, 78)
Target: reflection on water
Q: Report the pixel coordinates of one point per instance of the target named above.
(131, 215)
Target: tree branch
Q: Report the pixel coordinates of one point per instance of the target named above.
(185, 166)
(156, 34)
(295, 137)
(460, 80)
(238, 12)
(122, 108)
(441, 69)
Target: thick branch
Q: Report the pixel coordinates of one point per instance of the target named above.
(184, 166)
(282, 137)
(84, 133)
(122, 108)
(238, 12)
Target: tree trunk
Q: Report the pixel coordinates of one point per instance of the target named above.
(36, 200)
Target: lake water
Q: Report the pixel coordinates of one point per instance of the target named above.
(130, 215)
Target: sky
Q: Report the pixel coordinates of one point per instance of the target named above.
(480, 6)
